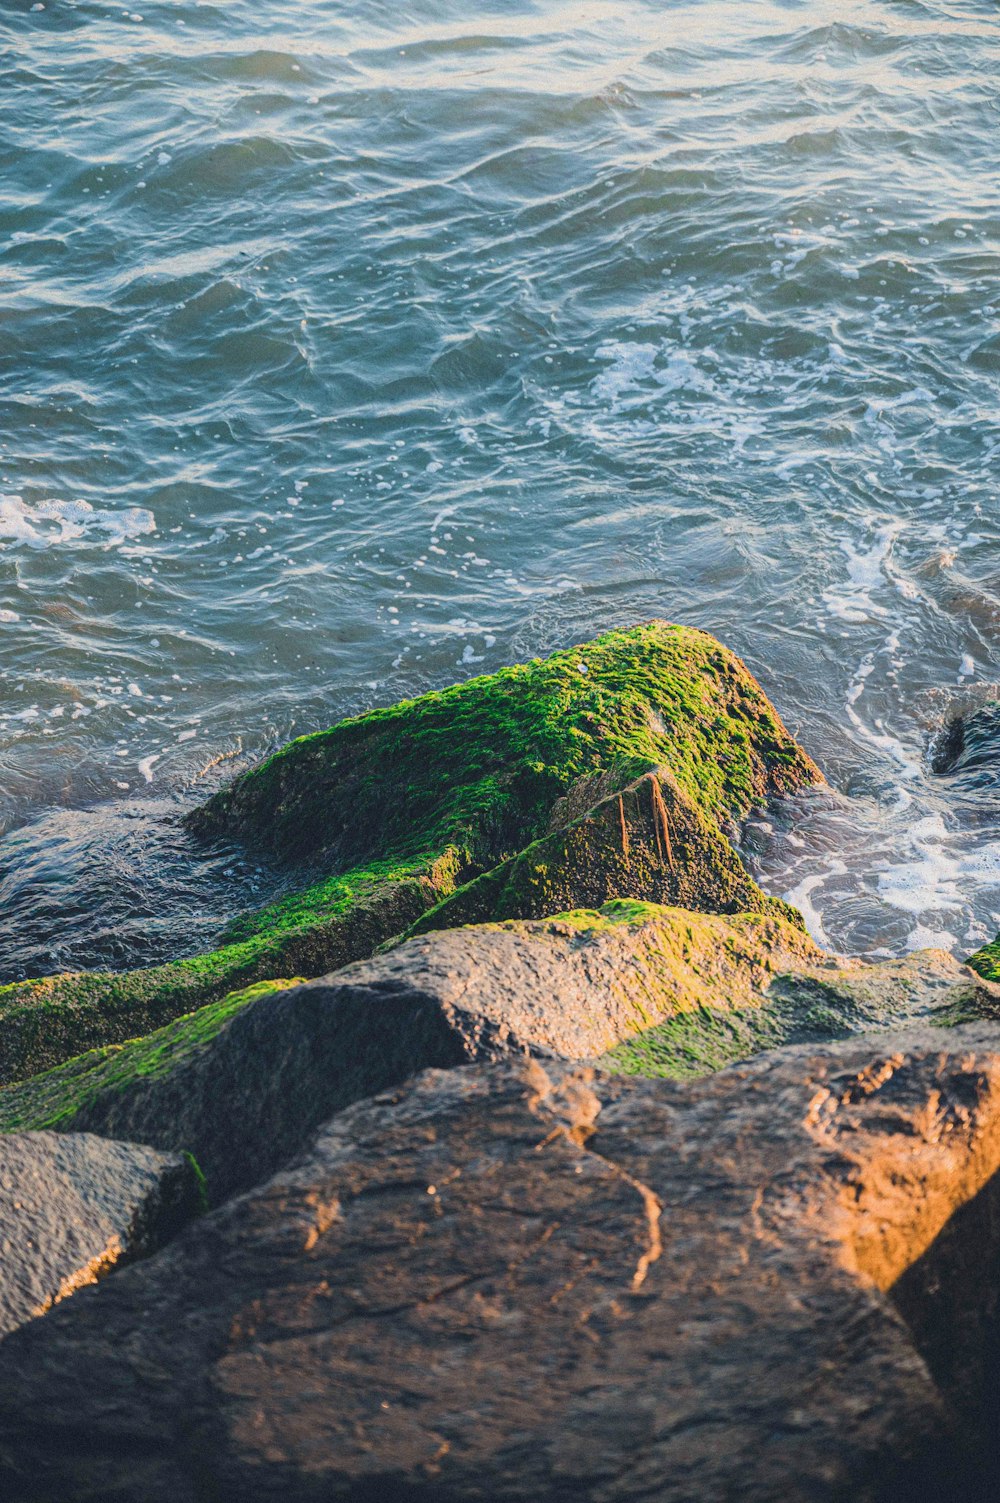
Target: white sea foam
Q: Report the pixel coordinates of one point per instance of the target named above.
(928, 879)
(801, 898)
(854, 599)
(639, 372)
(48, 524)
(147, 764)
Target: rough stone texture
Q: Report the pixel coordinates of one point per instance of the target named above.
(72, 1207)
(281, 1063)
(686, 992)
(531, 1284)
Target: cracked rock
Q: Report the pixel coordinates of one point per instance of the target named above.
(534, 1283)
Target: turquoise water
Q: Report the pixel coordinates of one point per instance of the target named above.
(350, 349)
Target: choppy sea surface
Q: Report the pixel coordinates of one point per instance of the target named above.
(349, 349)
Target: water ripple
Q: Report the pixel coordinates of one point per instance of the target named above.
(428, 341)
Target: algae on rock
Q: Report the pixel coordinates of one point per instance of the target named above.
(637, 988)
(614, 769)
(279, 1056)
(986, 961)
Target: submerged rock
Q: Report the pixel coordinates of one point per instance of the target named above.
(73, 1207)
(404, 807)
(967, 750)
(532, 1283)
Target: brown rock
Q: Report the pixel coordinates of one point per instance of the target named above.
(542, 1284)
(72, 1207)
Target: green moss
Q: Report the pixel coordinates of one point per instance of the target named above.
(405, 807)
(987, 960)
(694, 1044)
(813, 1000)
(616, 849)
(330, 898)
(612, 915)
(52, 1097)
(479, 766)
(705, 1039)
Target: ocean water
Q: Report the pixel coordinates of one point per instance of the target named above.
(348, 349)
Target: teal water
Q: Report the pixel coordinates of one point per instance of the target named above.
(350, 349)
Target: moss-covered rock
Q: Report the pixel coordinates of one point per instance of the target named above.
(649, 842)
(44, 1022)
(615, 769)
(279, 1056)
(481, 765)
(641, 988)
(986, 961)
(817, 998)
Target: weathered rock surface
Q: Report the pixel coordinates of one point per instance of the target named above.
(72, 1207)
(396, 810)
(531, 1284)
(278, 1062)
(666, 991)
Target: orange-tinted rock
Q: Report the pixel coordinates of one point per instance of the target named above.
(538, 1284)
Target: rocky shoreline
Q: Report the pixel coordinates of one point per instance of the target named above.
(529, 1152)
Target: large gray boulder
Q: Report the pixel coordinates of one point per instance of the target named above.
(534, 1283)
(73, 1207)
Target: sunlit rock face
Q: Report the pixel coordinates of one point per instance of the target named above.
(529, 1282)
(73, 1207)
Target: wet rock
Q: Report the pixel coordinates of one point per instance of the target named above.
(967, 750)
(73, 1207)
(534, 1283)
(394, 811)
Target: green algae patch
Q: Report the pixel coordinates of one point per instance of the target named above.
(610, 916)
(694, 1044)
(819, 998)
(49, 1099)
(480, 766)
(986, 961)
(614, 769)
(335, 897)
(792, 1009)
